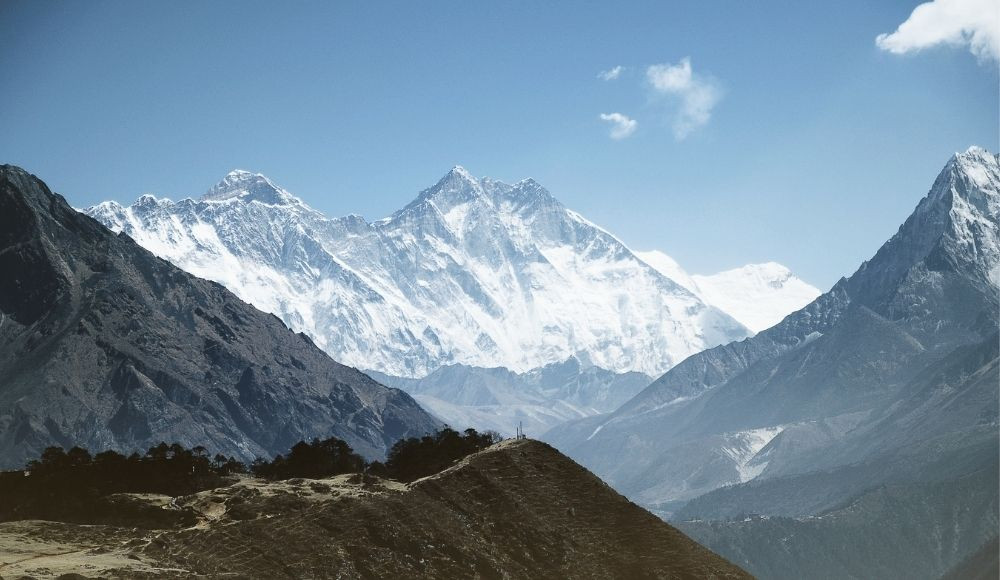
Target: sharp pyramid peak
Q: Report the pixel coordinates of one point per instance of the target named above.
(979, 166)
(458, 177)
(954, 226)
(973, 175)
(456, 185)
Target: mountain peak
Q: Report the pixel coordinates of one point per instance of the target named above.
(456, 187)
(971, 178)
(977, 152)
(462, 172)
(529, 185)
(148, 200)
(954, 226)
(967, 188)
(457, 177)
(978, 166)
(249, 186)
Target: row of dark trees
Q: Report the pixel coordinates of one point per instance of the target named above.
(408, 460)
(72, 485)
(413, 458)
(311, 460)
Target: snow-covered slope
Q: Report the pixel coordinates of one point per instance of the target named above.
(757, 295)
(474, 271)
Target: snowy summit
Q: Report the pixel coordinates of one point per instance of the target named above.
(473, 271)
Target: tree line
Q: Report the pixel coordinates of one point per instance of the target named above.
(407, 460)
(74, 485)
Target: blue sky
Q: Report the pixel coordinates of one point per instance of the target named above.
(794, 138)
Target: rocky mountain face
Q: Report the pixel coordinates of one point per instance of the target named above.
(889, 379)
(104, 345)
(473, 272)
(518, 509)
(500, 400)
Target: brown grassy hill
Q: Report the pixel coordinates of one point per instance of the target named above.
(519, 509)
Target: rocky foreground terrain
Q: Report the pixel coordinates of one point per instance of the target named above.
(518, 509)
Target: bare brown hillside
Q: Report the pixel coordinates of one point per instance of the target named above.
(519, 509)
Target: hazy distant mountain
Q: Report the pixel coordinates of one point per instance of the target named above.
(498, 399)
(473, 272)
(756, 295)
(104, 345)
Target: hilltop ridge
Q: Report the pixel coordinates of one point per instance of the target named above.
(517, 509)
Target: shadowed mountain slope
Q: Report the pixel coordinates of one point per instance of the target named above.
(104, 345)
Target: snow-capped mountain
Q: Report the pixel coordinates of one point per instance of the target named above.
(474, 271)
(887, 378)
(757, 295)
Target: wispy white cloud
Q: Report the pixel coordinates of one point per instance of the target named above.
(971, 23)
(697, 95)
(621, 125)
(611, 74)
